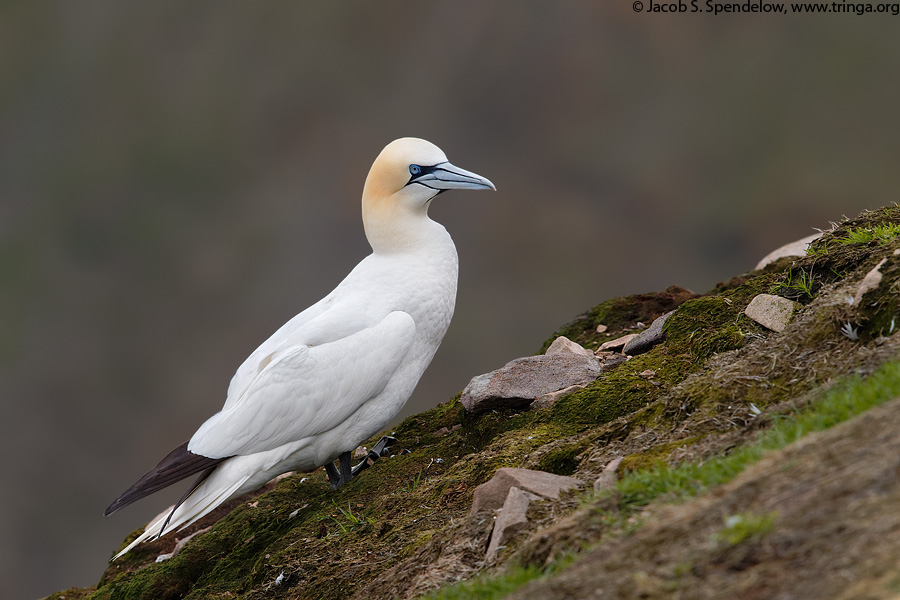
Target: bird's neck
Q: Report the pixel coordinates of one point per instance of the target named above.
(391, 230)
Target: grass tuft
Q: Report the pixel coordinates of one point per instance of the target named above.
(882, 233)
(793, 287)
(350, 520)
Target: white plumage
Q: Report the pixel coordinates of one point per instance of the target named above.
(340, 371)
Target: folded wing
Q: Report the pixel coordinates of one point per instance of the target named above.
(306, 390)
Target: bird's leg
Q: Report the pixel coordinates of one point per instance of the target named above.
(378, 450)
(333, 477)
(346, 473)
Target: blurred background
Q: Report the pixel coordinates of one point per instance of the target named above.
(179, 179)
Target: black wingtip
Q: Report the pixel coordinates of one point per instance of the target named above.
(177, 465)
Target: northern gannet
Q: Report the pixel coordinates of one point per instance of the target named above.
(341, 370)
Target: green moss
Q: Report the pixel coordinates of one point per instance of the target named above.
(621, 391)
(425, 428)
(656, 455)
(699, 328)
(715, 323)
(618, 314)
(562, 461)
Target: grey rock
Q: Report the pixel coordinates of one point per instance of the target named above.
(610, 360)
(512, 518)
(520, 381)
(608, 477)
(548, 400)
(617, 343)
(563, 345)
(772, 312)
(491, 494)
(647, 338)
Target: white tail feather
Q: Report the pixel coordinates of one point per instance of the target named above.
(203, 501)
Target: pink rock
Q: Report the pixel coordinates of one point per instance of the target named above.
(608, 477)
(492, 494)
(512, 518)
(522, 380)
(617, 343)
(563, 345)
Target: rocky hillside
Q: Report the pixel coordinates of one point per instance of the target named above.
(712, 454)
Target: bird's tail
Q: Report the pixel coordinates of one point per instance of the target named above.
(177, 465)
(199, 502)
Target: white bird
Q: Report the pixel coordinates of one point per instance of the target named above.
(341, 370)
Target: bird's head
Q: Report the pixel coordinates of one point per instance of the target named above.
(403, 181)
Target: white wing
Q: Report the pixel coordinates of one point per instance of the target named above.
(250, 368)
(307, 389)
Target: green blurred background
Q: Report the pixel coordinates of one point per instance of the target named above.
(179, 179)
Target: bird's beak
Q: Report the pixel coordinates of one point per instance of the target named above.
(445, 176)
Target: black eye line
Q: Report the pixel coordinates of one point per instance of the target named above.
(426, 170)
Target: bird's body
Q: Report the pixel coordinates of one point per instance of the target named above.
(341, 370)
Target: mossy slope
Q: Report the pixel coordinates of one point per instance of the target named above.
(403, 526)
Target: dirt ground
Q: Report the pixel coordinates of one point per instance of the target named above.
(839, 489)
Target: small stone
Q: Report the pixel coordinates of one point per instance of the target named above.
(772, 312)
(520, 381)
(360, 453)
(512, 518)
(602, 328)
(278, 478)
(870, 282)
(491, 494)
(563, 345)
(608, 477)
(609, 359)
(647, 338)
(548, 400)
(647, 374)
(797, 248)
(617, 343)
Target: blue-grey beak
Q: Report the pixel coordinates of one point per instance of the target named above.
(444, 176)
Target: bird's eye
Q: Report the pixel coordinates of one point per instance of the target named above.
(414, 169)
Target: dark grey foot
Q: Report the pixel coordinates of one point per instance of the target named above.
(338, 479)
(382, 448)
